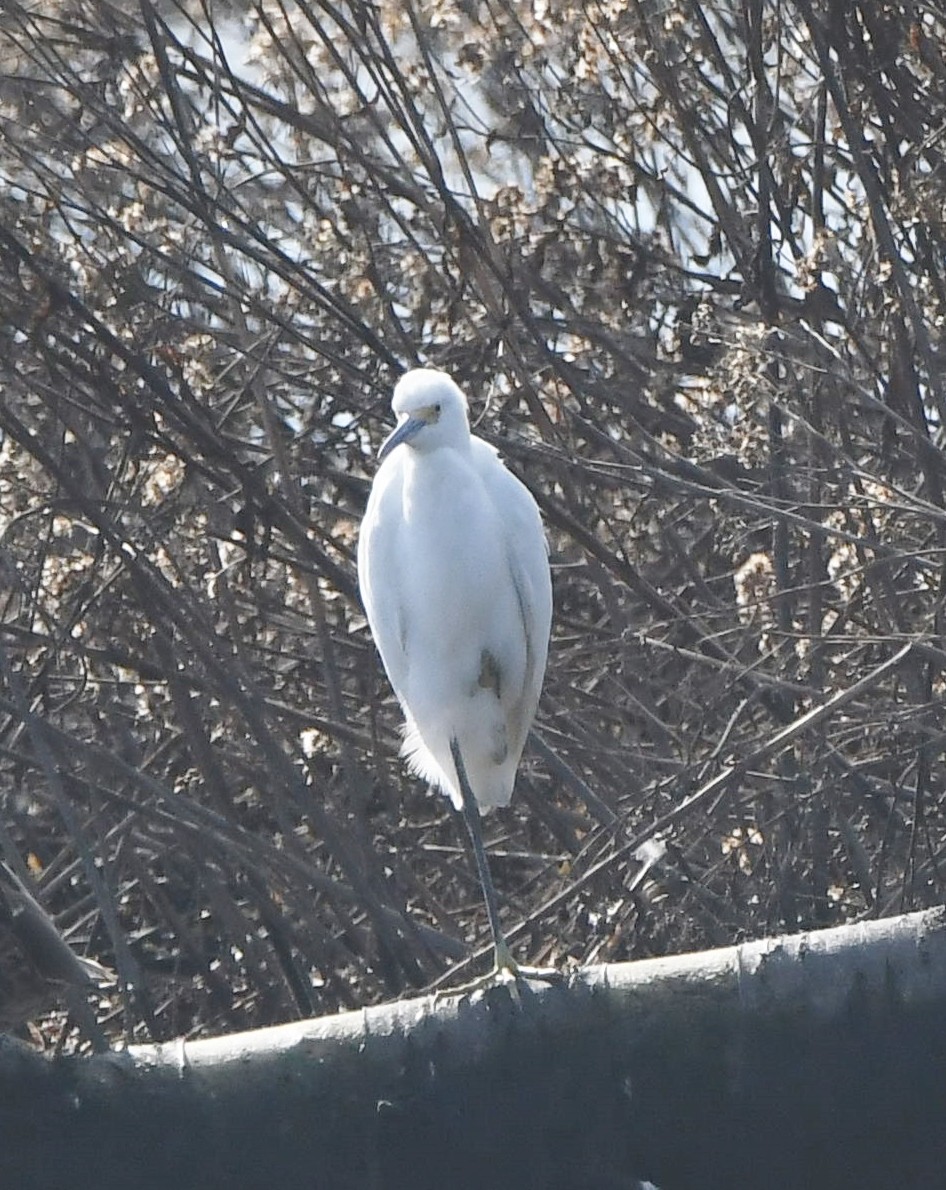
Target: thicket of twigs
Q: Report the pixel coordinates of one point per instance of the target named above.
(689, 263)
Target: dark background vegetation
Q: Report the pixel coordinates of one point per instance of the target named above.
(688, 261)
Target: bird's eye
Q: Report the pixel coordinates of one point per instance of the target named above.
(437, 409)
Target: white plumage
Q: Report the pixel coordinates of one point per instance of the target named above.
(454, 576)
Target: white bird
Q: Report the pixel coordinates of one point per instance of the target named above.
(454, 576)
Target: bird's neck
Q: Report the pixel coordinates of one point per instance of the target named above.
(434, 479)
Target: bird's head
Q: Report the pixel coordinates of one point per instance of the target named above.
(431, 412)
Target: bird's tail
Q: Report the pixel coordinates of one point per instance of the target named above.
(490, 781)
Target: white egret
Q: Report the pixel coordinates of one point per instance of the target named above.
(454, 575)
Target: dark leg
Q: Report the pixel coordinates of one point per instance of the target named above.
(471, 816)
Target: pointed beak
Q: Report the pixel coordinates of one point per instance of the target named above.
(404, 433)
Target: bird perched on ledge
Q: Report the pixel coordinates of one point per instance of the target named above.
(454, 576)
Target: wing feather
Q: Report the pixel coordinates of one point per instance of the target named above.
(526, 550)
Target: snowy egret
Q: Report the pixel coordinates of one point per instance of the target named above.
(454, 575)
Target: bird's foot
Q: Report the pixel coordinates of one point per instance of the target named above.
(506, 972)
(507, 968)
